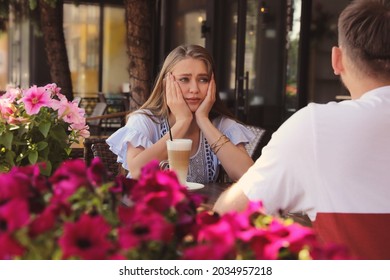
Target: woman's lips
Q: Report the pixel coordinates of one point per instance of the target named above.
(192, 100)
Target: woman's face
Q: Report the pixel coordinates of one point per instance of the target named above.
(191, 75)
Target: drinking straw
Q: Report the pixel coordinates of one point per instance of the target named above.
(169, 128)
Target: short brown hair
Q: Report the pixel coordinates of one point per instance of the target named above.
(364, 32)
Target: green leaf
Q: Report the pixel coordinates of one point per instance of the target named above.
(44, 128)
(42, 145)
(10, 155)
(33, 157)
(58, 132)
(46, 171)
(6, 140)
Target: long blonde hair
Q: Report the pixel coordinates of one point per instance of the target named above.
(157, 103)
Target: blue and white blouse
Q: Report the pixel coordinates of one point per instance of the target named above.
(141, 131)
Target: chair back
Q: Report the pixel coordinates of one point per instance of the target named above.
(97, 147)
(99, 110)
(252, 146)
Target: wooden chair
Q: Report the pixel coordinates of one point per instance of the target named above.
(95, 124)
(97, 147)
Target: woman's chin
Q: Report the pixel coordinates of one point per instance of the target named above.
(193, 108)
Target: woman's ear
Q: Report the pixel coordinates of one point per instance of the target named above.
(337, 62)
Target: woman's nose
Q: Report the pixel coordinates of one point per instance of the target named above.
(194, 88)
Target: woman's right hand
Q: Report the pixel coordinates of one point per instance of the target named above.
(175, 100)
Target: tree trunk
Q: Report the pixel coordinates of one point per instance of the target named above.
(54, 38)
(139, 21)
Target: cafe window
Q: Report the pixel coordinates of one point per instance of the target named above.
(95, 40)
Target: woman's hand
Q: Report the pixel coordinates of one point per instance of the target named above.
(175, 100)
(205, 107)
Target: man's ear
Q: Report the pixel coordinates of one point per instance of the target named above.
(337, 62)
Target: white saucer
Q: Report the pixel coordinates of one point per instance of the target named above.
(194, 186)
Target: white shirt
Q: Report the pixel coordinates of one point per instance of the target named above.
(329, 158)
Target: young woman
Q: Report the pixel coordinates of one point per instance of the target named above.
(185, 98)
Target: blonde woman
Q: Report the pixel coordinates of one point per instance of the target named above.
(185, 98)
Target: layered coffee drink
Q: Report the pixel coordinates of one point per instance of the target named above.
(179, 151)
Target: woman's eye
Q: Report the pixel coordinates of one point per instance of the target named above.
(183, 80)
(204, 80)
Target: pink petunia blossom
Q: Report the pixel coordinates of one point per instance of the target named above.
(9, 248)
(294, 236)
(34, 99)
(97, 172)
(160, 189)
(13, 186)
(142, 224)
(13, 215)
(53, 89)
(43, 222)
(82, 132)
(69, 112)
(86, 238)
(70, 176)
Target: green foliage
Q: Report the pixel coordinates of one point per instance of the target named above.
(31, 138)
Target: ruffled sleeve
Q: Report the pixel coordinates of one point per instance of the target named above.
(140, 131)
(236, 132)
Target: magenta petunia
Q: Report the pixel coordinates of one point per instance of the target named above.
(86, 238)
(142, 224)
(43, 222)
(13, 215)
(35, 98)
(70, 176)
(260, 243)
(13, 186)
(9, 248)
(97, 172)
(160, 187)
(293, 236)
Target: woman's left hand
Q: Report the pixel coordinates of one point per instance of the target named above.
(206, 105)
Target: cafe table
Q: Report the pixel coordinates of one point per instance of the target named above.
(211, 192)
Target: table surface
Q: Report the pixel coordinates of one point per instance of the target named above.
(211, 191)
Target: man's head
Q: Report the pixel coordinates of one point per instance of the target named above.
(364, 37)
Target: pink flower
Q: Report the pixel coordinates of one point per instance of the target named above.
(96, 172)
(69, 112)
(142, 224)
(294, 236)
(9, 248)
(53, 89)
(160, 189)
(13, 215)
(12, 94)
(43, 222)
(86, 239)
(260, 245)
(13, 186)
(70, 176)
(83, 132)
(34, 98)
(219, 232)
